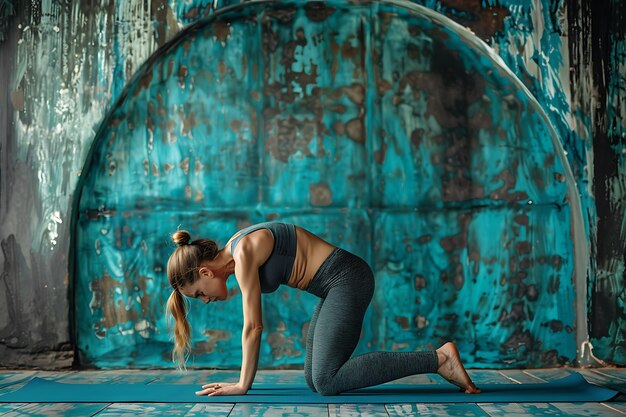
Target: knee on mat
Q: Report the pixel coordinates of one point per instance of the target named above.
(309, 379)
(328, 392)
(323, 385)
(310, 384)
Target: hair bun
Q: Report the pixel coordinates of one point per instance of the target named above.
(181, 237)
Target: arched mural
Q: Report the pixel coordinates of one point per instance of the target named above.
(383, 127)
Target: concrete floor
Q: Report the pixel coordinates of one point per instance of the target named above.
(610, 377)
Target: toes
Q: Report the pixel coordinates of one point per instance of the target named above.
(473, 390)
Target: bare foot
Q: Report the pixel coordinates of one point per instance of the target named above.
(452, 369)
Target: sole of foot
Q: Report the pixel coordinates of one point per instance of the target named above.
(453, 371)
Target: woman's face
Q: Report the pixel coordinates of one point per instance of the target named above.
(207, 288)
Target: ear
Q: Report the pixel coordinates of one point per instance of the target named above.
(205, 272)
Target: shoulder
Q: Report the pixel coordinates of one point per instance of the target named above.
(255, 247)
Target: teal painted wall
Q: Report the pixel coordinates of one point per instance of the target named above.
(90, 53)
(379, 128)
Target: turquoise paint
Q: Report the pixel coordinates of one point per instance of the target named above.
(533, 45)
(217, 144)
(439, 285)
(82, 38)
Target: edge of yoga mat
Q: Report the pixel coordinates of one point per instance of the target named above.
(572, 388)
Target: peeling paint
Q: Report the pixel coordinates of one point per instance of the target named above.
(461, 141)
(307, 137)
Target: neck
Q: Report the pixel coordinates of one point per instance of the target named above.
(224, 262)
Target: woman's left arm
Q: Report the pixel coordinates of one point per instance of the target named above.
(250, 335)
(252, 323)
(250, 346)
(250, 255)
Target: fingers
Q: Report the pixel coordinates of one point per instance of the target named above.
(216, 391)
(209, 389)
(205, 391)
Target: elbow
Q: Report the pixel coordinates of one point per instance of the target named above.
(253, 329)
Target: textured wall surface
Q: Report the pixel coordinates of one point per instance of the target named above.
(598, 50)
(393, 136)
(66, 65)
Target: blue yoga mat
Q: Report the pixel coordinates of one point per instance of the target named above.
(572, 388)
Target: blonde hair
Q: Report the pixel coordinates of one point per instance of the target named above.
(182, 270)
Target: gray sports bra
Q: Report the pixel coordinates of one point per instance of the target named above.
(277, 269)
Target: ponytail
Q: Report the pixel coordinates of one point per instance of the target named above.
(182, 270)
(182, 330)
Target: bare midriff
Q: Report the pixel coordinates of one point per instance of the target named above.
(311, 251)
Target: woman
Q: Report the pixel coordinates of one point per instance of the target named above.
(262, 257)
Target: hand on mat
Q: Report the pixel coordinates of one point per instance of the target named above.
(222, 388)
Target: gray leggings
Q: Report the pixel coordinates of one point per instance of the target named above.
(345, 285)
